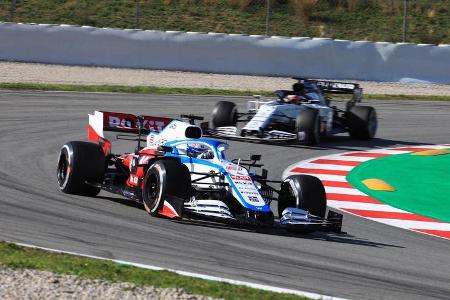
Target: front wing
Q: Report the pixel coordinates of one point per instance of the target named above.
(292, 219)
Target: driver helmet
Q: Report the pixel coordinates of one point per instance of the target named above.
(208, 154)
(298, 88)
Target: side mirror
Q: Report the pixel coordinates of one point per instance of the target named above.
(165, 149)
(255, 157)
(264, 173)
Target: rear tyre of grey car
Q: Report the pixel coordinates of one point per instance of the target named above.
(79, 163)
(224, 114)
(307, 127)
(305, 192)
(362, 122)
(165, 179)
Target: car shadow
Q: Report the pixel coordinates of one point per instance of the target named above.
(343, 238)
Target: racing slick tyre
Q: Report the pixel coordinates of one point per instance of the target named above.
(362, 122)
(305, 192)
(224, 114)
(79, 163)
(165, 178)
(307, 127)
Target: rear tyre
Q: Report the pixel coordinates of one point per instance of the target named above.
(305, 192)
(362, 122)
(78, 163)
(307, 127)
(165, 178)
(224, 114)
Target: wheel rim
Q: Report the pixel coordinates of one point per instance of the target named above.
(63, 169)
(152, 187)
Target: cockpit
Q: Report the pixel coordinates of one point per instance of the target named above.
(306, 92)
(205, 149)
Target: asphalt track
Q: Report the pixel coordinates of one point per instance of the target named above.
(372, 261)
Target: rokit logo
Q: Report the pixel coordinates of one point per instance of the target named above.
(233, 168)
(118, 122)
(114, 121)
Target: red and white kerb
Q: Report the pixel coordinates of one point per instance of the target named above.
(332, 171)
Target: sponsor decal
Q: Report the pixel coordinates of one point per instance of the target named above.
(336, 85)
(243, 178)
(144, 159)
(118, 122)
(128, 121)
(236, 170)
(253, 199)
(133, 180)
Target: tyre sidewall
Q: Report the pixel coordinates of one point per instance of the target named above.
(362, 122)
(174, 180)
(157, 169)
(64, 155)
(308, 125)
(308, 194)
(86, 163)
(224, 114)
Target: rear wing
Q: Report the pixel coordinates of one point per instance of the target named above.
(103, 121)
(336, 87)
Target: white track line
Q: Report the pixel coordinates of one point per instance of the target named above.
(363, 206)
(345, 191)
(328, 177)
(414, 224)
(348, 158)
(325, 167)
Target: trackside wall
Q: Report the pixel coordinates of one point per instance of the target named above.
(225, 53)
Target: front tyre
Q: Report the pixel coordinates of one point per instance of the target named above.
(307, 127)
(165, 179)
(224, 114)
(79, 163)
(362, 122)
(305, 192)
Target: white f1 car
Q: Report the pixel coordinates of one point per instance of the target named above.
(177, 173)
(302, 115)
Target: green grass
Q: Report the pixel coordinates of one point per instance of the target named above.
(187, 91)
(376, 20)
(421, 183)
(14, 256)
(128, 89)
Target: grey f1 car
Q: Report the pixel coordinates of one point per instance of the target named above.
(302, 115)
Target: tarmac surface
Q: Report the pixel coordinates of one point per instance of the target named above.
(371, 261)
